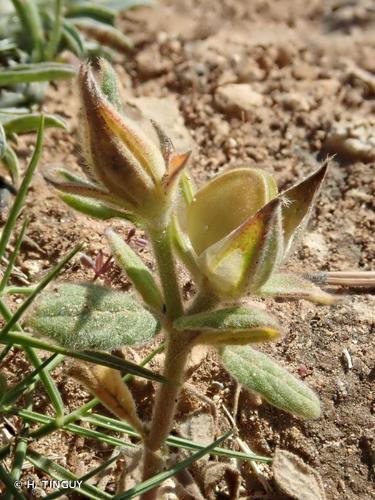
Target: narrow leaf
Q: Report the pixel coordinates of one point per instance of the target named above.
(104, 34)
(291, 286)
(58, 472)
(136, 270)
(14, 124)
(10, 160)
(40, 72)
(89, 316)
(259, 373)
(99, 13)
(3, 141)
(100, 358)
(232, 325)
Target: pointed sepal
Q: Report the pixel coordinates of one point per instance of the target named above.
(136, 270)
(236, 325)
(298, 202)
(291, 286)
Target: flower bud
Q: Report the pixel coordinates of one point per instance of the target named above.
(127, 169)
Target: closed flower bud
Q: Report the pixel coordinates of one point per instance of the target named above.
(126, 168)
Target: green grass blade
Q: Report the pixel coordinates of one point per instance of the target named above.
(3, 142)
(46, 379)
(32, 25)
(155, 481)
(55, 36)
(43, 283)
(84, 478)
(42, 72)
(11, 162)
(73, 39)
(21, 195)
(99, 358)
(12, 259)
(97, 12)
(8, 481)
(60, 473)
(16, 391)
(29, 122)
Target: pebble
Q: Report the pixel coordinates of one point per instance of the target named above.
(236, 99)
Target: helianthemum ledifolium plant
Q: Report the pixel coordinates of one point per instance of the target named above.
(233, 236)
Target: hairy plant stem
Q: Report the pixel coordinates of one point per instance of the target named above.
(177, 352)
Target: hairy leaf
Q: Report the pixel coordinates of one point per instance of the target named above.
(294, 287)
(232, 325)
(88, 316)
(259, 373)
(136, 270)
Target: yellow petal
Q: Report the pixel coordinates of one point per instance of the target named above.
(225, 203)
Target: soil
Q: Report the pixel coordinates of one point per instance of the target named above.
(309, 66)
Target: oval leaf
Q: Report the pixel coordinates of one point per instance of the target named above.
(259, 373)
(232, 325)
(88, 316)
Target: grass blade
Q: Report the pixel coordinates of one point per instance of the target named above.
(100, 358)
(8, 481)
(84, 478)
(97, 12)
(3, 141)
(58, 472)
(41, 72)
(12, 259)
(11, 162)
(55, 36)
(155, 481)
(29, 122)
(32, 25)
(21, 195)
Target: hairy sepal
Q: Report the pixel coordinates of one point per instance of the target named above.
(259, 373)
(298, 202)
(245, 258)
(88, 316)
(136, 270)
(291, 286)
(229, 326)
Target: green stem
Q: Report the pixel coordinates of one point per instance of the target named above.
(55, 36)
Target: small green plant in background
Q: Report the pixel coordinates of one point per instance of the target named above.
(34, 35)
(233, 236)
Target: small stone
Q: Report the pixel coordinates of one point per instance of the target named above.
(295, 101)
(304, 72)
(237, 99)
(353, 139)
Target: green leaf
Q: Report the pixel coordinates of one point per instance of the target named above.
(14, 124)
(73, 39)
(258, 372)
(11, 162)
(291, 286)
(297, 206)
(104, 34)
(88, 316)
(3, 141)
(57, 472)
(41, 72)
(136, 270)
(232, 325)
(99, 13)
(94, 208)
